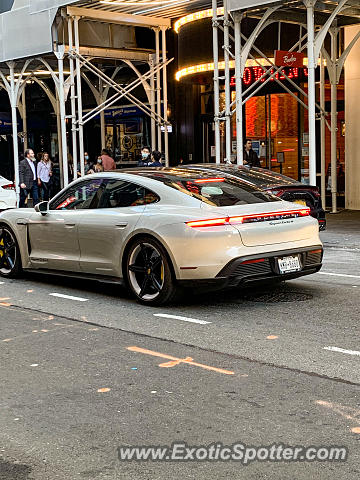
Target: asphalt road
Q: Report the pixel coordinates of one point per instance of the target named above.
(293, 351)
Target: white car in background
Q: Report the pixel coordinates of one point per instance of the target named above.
(158, 229)
(7, 194)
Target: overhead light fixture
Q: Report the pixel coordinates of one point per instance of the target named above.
(192, 17)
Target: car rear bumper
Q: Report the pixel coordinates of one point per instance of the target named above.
(259, 268)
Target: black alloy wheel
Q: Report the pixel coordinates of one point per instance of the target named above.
(148, 273)
(10, 262)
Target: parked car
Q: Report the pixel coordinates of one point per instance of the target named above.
(283, 187)
(7, 194)
(157, 229)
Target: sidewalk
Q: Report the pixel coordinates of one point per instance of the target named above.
(342, 230)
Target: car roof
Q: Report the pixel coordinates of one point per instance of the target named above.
(260, 177)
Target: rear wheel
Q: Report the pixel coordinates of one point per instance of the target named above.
(10, 261)
(148, 273)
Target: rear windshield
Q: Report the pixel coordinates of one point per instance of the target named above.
(215, 190)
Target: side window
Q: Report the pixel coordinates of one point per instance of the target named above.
(83, 195)
(120, 193)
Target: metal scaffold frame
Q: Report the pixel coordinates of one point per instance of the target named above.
(312, 40)
(81, 61)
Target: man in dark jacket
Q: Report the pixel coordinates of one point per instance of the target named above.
(250, 157)
(28, 178)
(156, 159)
(145, 159)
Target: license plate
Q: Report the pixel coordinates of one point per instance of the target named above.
(289, 264)
(300, 202)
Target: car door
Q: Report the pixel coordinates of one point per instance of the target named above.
(102, 231)
(53, 238)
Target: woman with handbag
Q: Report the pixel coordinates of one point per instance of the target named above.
(44, 173)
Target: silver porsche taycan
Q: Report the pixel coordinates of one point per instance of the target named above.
(160, 230)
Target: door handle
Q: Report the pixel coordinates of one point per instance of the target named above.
(69, 225)
(121, 225)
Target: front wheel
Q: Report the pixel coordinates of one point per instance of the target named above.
(148, 273)
(10, 261)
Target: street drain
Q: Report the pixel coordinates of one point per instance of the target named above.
(277, 297)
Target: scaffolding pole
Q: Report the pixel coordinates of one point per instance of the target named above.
(24, 118)
(334, 36)
(152, 104)
(311, 91)
(227, 83)
(158, 87)
(63, 160)
(215, 25)
(238, 89)
(322, 132)
(79, 97)
(102, 114)
(73, 100)
(13, 101)
(165, 98)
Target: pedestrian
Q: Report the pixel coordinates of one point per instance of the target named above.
(250, 157)
(156, 159)
(98, 167)
(145, 158)
(28, 178)
(44, 174)
(108, 163)
(55, 179)
(87, 164)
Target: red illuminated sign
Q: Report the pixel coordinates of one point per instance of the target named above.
(252, 74)
(284, 58)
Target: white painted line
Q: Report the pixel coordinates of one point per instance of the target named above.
(2, 283)
(69, 297)
(184, 319)
(339, 274)
(342, 350)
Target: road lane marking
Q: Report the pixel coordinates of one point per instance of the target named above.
(342, 350)
(350, 413)
(2, 283)
(69, 297)
(176, 361)
(184, 319)
(339, 274)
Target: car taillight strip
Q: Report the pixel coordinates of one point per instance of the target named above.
(258, 217)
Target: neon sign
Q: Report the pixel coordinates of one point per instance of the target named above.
(253, 74)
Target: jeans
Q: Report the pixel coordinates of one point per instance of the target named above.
(24, 192)
(45, 190)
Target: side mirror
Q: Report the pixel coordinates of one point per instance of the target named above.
(42, 207)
